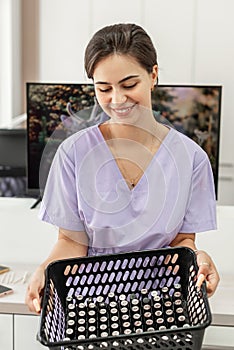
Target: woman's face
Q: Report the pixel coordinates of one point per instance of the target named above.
(122, 86)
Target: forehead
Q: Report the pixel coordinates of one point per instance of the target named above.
(115, 67)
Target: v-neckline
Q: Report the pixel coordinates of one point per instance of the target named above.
(133, 189)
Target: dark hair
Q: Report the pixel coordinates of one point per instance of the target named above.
(124, 38)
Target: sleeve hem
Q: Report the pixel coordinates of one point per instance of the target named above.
(73, 226)
(208, 226)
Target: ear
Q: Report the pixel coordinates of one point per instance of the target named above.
(154, 75)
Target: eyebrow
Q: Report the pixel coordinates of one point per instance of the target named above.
(121, 81)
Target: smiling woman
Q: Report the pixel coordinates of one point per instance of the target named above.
(129, 183)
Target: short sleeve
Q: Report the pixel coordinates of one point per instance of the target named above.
(59, 204)
(201, 207)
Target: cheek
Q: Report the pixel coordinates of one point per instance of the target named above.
(102, 104)
(102, 99)
(99, 96)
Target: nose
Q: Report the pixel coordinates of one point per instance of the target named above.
(118, 97)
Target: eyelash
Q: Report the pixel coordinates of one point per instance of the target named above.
(105, 90)
(130, 86)
(125, 87)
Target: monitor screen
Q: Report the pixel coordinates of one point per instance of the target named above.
(192, 110)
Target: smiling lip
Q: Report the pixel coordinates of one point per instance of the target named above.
(123, 111)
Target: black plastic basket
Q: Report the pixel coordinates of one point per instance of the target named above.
(126, 273)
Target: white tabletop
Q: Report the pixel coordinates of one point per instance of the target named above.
(17, 278)
(24, 238)
(26, 241)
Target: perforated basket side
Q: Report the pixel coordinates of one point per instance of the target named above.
(53, 316)
(125, 273)
(197, 303)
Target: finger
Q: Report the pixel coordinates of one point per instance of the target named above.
(212, 284)
(210, 289)
(201, 278)
(206, 264)
(204, 269)
(33, 299)
(36, 305)
(31, 305)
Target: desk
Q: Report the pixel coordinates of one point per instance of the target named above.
(18, 325)
(24, 238)
(26, 241)
(14, 303)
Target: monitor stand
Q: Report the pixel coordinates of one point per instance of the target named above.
(38, 200)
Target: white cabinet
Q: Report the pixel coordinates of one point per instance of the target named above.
(6, 332)
(219, 337)
(18, 332)
(26, 328)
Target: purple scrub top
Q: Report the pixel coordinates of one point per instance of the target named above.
(86, 191)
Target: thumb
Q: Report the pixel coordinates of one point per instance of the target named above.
(200, 279)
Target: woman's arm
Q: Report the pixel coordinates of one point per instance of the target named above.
(184, 240)
(207, 269)
(70, 244)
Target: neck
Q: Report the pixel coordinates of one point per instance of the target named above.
(140, 133)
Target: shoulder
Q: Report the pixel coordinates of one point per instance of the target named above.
(83, 139)
(189, 147)
(184, 151)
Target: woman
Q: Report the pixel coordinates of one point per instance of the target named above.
(129, 183)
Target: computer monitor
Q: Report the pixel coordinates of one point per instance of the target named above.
(192, 110)
(13, 152)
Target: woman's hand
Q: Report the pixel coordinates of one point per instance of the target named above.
(70, 244)
(207, 272)
(35, 290)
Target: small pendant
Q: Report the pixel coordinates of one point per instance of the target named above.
(132, 185)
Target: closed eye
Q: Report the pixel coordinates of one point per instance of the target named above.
(125, 87)
(105, 90)
(130, 86)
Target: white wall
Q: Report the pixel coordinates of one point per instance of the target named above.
(171, 25)
(10, 60)
(64, 31)
(66, 27)
(214, 64)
